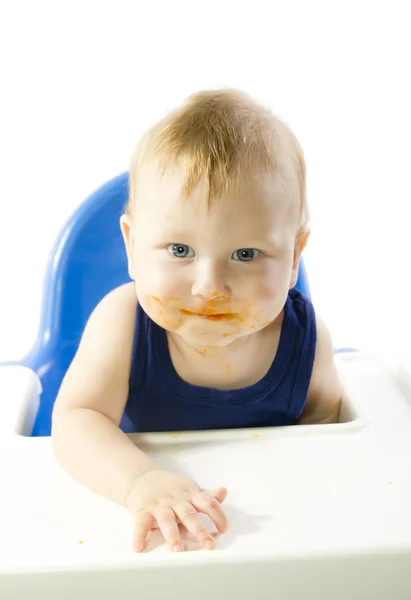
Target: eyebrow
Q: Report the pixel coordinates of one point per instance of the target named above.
(174, 234)
(272, 241)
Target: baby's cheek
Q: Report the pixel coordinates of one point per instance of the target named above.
(266, 305)
(163, 312)
(159, 292)
(264, 292)
(164, 284)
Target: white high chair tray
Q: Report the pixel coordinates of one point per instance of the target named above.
(320, 512)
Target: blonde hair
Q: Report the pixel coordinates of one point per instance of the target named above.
(218, 136)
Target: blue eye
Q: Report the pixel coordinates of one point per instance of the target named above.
(246, 254)
(180, 250)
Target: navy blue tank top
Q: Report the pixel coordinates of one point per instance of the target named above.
(159, 400)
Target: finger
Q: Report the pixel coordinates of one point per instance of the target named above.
(166, 521)
(144, 523)
(209, 505)
(220, 494)
(192, 521)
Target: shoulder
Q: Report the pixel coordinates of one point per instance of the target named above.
(111, 324)
(112, 318)
(115, 302)
(324, 392)
(98, 375)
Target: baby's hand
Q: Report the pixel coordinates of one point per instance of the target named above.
(162, 499)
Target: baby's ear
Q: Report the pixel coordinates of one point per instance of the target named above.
(126, 226)
(301, 240)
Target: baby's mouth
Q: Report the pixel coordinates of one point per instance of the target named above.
(212, 316)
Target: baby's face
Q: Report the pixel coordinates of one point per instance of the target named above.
(211, 275)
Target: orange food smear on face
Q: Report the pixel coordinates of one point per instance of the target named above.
(219, 295)
(212, 315)
(167, 299)
(212, 310)
(222, 317)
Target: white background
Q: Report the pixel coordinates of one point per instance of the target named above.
(80, 81)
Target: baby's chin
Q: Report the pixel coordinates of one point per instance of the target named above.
(212, 335)
(203, 331)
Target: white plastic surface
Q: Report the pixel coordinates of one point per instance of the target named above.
(321, 512)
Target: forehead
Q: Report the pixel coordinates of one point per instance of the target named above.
(258, 201)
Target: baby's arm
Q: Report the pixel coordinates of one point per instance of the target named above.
(324, 393)
(90, 446)
(86, 437)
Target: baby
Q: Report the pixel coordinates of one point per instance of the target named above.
(211, 332)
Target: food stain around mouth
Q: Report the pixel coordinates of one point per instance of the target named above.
(209, 312)
(212, 316)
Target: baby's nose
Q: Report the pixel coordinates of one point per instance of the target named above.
(211, 283)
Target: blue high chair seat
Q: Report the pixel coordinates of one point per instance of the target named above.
(87, 261)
